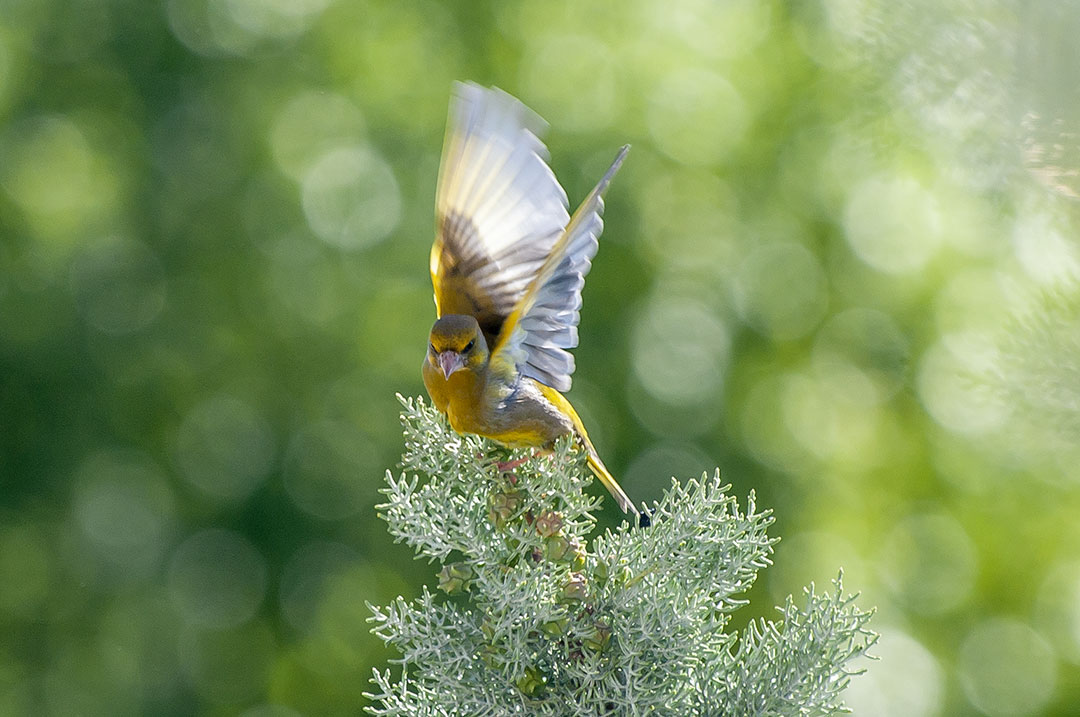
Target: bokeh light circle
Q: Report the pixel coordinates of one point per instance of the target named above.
(1046, 253)
(324, 468)
(119, 285)
(274, 18)
(238, 27)
(27, 569)
(224, 447)
(870, 339)
(34, 152)
(893, 224)
(812, 556)
(660, 462)
(351, 197)
(53, 172)
(696, 117)
(125, 510)
(906, 680)
(305, 282)
(976, 299)
(742, 25)
(1058, 609)
(1006, 668)
(586, 98)
(680, 350)
(190, 23)
(228, 666)
(311, 124)
(831, 411)
(217, 579)
(688, 220)
(929, 562)
(948, 388)
(781, 291)
(307, 577)
(761, 411)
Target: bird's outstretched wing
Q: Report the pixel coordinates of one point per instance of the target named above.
(543, 324)
(499, 209)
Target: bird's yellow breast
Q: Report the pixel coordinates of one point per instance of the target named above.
(520, 413)
(457, 397)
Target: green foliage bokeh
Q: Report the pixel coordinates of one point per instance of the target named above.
(840, 263)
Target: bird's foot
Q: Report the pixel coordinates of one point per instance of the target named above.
(509, 466)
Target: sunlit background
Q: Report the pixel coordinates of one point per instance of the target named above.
(841, 263)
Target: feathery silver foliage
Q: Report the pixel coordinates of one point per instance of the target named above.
(536, 616)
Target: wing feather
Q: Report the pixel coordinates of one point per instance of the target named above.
(499, 208)
(543, 324)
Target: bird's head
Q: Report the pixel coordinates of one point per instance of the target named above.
(456, 343)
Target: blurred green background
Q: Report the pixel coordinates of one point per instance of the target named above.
(841, 263)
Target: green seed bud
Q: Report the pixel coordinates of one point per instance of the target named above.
(531, 683)
(556, 628)
(574, 590)
(556, 548)
(455, 578)
(549, 524)
(599, 638)
(600, 572)
(503, 505)
(492, 657)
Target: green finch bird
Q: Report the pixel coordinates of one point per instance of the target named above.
(508, 265)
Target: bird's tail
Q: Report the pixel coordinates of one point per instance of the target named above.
(595, 464)
(600, 471)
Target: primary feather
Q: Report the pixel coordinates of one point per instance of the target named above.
(499, 208)
(544, 322)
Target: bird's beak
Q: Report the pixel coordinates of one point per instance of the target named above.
(451, 361)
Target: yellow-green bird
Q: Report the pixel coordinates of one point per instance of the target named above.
(508, 265)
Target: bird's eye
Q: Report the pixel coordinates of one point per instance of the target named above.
(468, 346)
(431, 347)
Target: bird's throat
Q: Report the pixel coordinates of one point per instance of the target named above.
(464, 402)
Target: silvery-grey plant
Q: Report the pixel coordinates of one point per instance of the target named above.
(534, 614)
